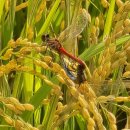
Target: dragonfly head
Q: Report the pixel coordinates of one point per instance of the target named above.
(45, 37)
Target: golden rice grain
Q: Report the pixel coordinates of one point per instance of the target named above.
(63, 74)
(127, 44)
(96, 21)
(124, 15)
(48, 82)
(111, 117)
(101, 21)
(47, 59)
(101, 59)
(33, 45)
(99, 70)
(13, 100)
(19, 41)
(7, 5)
(117, 17)
(74, 113)
(41, 63)
(122, 54)
(119, 3)
(107, 41)
(10, 106)
(121, 9)
(28, 107)
(101, 127)
(118, 24)
(90, 127)
(62, 25)
(88, 17)
(105, 3)
(82, 101)
(7, 54)
(126, 30)
(93, 30)
(104, 74)
(122, 61)
(128, 50)
(18, 123)
(69, 82)
(40, 49)
(59, 105)
(120, 99)
(12, 43)
(21, 6)
(9, 120)
(56, 67)
(105, 98)
(97, 33)
(127, 68)
(74, 92)
(118, 29)
(30, 33)
(95, 74)
(20, 107)
(56, 117)
(57, 90)
(39, 75)
(113, 127)
(2, 112)
(25, 68)
(40, 10)
(34, 128)
(127, 7)
(85, 113)
(119, 34)
(126, 74)
(22, 128)
(91, 122)
(127, 22)
(115, 64)
(25, 50)
(66, 116)
(60, 79)
(45, 101)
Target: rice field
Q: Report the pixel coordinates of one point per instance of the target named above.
(64, 65)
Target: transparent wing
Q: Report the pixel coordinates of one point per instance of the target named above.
(76, 27)
(110, 87)
(71, 72)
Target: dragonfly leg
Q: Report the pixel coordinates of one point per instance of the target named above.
(52, 55)
(46, 49)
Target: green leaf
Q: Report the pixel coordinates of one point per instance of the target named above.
(98, 48)
(109, 18)
(36, 100)
(2, 2)
(49, 19)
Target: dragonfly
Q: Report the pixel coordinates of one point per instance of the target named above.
(70, 32)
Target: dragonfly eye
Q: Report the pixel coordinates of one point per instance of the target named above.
(45, 37)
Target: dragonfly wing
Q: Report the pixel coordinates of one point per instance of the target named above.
(69, 72)
(76, 27)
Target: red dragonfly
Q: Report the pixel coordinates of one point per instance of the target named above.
(71, 32)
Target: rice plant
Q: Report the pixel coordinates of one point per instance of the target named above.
(44, 87)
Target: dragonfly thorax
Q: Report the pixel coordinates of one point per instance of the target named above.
(54, 44)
